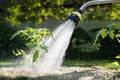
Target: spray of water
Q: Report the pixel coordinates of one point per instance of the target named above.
(52, 60)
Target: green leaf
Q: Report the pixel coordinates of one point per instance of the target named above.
(31, 44)
(16, 34)
(111, 34)
(117, 37)
(18, 52)
(103, 33)
(96, 38)
(36, 55)
(116, 63)
(117, 56)
(44, 47)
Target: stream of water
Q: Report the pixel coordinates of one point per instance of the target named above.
(52, 60)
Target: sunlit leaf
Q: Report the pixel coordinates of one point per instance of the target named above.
(103, 33)
(35, 56)
(14, 35)
(29, 8)
(31, 44)
(111, 34)
(96, 38)
(44, 47)
(18, 52)
(26, 17)
(118, 37)
(117, 56)
(39, 4)
(116, 63)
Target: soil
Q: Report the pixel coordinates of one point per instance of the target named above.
(64, 73)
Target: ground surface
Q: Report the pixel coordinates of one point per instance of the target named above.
(64, 73)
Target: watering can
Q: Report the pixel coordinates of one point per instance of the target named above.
(76, 16)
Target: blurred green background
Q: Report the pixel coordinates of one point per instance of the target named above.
(18, 15)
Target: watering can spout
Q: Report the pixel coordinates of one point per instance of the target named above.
(76, 16)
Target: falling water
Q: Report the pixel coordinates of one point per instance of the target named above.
(52, 60)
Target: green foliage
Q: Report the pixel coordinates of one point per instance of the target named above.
(80, 46)
(18, 52)
(112, 30)
(6, 31)
(34, 10)
(38, 51)
(44, 47)
(18, 13)
(117, 56)
(114, 12)
(32, 38)
(116, 63)
(15, 12)
(35, 56)
(103, 12)
(84, 47)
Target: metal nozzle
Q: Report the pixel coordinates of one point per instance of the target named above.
(75, 15)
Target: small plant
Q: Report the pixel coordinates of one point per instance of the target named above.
(32, 38)
(113, 31)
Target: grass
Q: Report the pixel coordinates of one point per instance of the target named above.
(89, 63)
(5, 63)
(78, 63)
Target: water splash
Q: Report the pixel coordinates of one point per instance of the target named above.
(53, 59)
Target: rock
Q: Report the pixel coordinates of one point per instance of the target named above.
(85, 78)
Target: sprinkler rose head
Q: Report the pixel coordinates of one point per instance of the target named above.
(75, 16)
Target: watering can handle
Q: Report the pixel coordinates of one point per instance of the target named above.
(95, 2)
